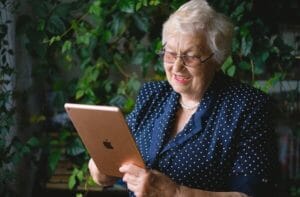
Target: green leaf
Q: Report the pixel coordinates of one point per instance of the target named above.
(127, 6)
(258, 67)
(118, 25)
(106, 36)
(228, 62)
(154, 2)
(64, 134)
(246, 46)
(72, 181)
(265, 55)
(134, 84)
(79, 94)
(138, 58)
(245, 65)
(53, 159)
(41, 25)
(244, 31)
(66, 46)
(108, 85)
(84, 39)
(75, 148)
(231, 71)
(33, 142)
(259, 62)
(80, 175)
(270, 82)
(128, 106)
(141, 22)
(238, 12)
(54, 39)
(95, 8)
(79, 195)
(55, 25)
(138, 5)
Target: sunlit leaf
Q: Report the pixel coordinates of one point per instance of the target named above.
(66, 46)
(72, 181)
(79, 94)
(231, 70)
(228, 62)
(95, 8)
(127, 6)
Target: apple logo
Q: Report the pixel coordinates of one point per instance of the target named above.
(107, 144)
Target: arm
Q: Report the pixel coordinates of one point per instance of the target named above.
(153, 183)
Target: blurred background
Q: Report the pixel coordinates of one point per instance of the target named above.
(100, 52)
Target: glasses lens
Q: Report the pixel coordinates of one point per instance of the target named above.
(188, 60)
(169, 57)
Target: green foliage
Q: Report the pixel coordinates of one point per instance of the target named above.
(257, 51)
(77, 176)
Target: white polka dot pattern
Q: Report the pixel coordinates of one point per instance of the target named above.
(228, 139)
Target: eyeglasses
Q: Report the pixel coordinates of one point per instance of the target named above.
(187, 60)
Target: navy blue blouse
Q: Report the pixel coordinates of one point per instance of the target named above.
(227, 145)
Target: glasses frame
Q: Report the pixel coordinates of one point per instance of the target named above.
(163, 51)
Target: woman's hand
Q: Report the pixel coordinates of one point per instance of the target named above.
(150, 183)
(98, 177)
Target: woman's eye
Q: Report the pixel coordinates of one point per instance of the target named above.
(191, 58)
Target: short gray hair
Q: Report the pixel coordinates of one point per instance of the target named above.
(196, 16)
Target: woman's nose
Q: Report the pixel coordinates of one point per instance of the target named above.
(178, 64)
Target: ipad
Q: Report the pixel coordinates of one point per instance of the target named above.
(106, 136)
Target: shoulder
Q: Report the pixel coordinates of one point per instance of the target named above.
(152, 92)
(150, 96)
(154, 87)
(243, 93)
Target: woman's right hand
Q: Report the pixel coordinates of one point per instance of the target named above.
(98, 177)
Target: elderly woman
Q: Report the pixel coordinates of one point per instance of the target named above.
(200, 133)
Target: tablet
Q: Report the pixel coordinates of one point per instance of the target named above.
(106, 136)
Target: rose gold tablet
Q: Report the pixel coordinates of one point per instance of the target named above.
(106, 136)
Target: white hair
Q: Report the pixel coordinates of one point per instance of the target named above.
(197, 17)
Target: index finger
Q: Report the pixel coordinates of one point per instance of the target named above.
(131, 169)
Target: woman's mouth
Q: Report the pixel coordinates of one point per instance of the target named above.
(181, 79)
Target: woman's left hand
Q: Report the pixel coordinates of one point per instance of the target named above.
(148, 183)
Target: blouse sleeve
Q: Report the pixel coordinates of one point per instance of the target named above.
(254, 170)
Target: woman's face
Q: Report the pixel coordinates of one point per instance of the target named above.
(193, 79)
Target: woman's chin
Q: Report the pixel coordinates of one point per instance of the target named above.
(179, 88)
